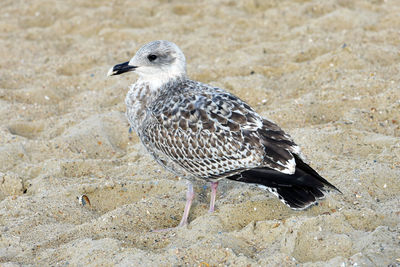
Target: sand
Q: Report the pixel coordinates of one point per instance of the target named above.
(328, 72)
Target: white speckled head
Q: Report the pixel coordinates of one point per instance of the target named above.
(156, 63)
(159, 58)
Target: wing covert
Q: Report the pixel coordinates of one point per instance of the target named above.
(215, 135)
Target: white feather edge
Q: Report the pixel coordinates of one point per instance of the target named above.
(275, 193)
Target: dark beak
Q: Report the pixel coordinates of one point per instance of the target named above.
(120, 68)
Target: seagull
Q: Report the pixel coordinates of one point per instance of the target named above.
(199, 131)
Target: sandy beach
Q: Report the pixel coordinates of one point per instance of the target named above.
(328, 72)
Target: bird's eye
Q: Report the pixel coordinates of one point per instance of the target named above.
(152, 57)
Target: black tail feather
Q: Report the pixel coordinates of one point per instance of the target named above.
(298, 190)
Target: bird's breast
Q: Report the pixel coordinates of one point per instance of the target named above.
(137, 102)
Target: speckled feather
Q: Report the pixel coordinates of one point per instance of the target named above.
(199, 131)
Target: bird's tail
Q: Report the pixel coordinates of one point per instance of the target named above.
(298, 191)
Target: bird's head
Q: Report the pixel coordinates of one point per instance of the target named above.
(161, 60)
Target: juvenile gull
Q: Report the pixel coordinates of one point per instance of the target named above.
(198, 131)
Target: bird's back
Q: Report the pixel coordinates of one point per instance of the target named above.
(208, 132)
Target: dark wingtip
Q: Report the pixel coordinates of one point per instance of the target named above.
(334, 187)
(303, 166)
(298, 191)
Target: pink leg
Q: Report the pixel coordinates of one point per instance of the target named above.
(184, 221)
(214, 186)
(189, 199)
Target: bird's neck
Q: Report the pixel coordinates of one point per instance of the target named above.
(155, 82)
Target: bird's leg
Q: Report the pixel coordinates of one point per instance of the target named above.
(184, 221)
(214, 186)
(189, 199)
